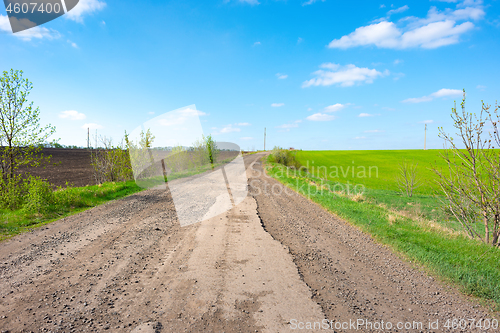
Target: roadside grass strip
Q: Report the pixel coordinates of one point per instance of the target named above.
(67, 201)
(72, 200)
(447, 253)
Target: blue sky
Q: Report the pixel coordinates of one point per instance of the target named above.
(317, 74)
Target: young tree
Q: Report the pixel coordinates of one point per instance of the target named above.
(407, 179)
(212, 150)
(21, 135)
(471, 180)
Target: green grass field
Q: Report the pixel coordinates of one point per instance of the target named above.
(416, 228)
(377, 171)
(380, 167)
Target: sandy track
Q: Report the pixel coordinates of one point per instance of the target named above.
(128, 266)
(272, 261)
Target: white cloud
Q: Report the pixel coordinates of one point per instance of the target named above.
(4, 23)
(387, 35)
(418, 99)
(27, 35)
(345, 76)
(73, 44)
(151, 112)
(480, 87)
(246, 138)
(229, 129)
(92, 126)
(84, 7)
(334, 108)
(300, 40)
(72, 115)
(442, 93)
(277, 105)
(398, 10)
(281, 76)
(243, 124)
(398, 61)
(362, 115)
(310, 2)
(250, 2)
(374, 131)
(321, 117)
(360, 138)
(382, 6)
(257, 43)
(447, 93)
(426, 122)
(438, 29)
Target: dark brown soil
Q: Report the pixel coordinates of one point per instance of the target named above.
(66, 165)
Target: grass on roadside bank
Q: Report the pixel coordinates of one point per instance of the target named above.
(67, 201)
(73, 200)
(470, 265)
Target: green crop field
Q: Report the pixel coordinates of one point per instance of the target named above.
(375, 169)
(420, 228)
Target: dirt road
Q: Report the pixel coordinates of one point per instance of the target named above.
(271, 264)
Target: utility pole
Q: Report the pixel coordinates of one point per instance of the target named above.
(264, 139)
(88, 137)
(425, 138)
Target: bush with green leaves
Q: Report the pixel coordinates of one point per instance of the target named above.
(285, 157)
(12, 192)
(111, 163)
(39, 195)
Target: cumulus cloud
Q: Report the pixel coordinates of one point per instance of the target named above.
(438, 29)
(84, 7)
(442, 93)
(92, 126)
(398, 10)
(344, 76)
(321, 117)
(73, 44)
(310, 2)
(277, 105)
(72, 115)
(229, 129)
(27, 35)
(250, 2)
(335, 107)
(281, 76)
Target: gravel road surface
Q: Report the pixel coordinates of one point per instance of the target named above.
(273, 263)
